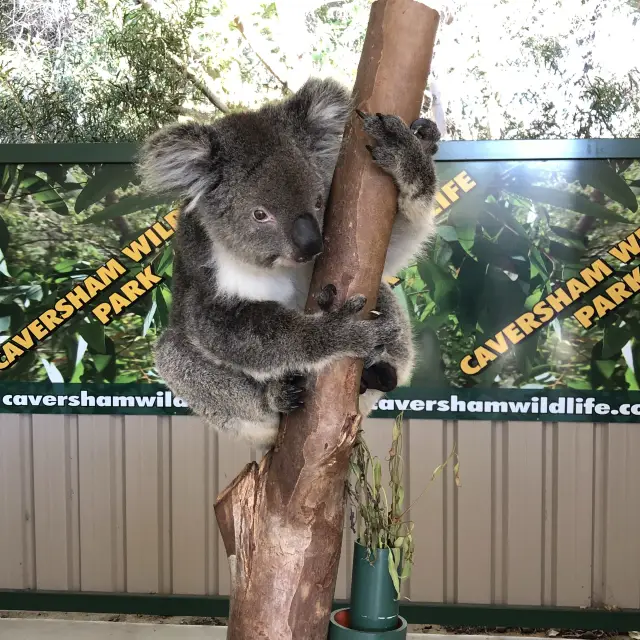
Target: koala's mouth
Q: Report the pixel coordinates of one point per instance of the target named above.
(283, 261)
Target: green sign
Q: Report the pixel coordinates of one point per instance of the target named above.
(525, 307)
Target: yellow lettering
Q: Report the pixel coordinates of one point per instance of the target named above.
(513, 334)
(528, 323)
(483, 356)
(626, 250)
(465, 365)
(102, 312)
(576, 288)
(596, 272)
(11, 352)
(464, 181)
(542, 310)
(50, 319)
(499, 344)
(584, 315)
(93, 286)
(110, 272)
(24, 339)
(147, 278)
(137, 249)
(132, 290)
(603, 305)
(64, 308)
(633, 279)
(618, 292)
(78, 297)
(451, 190)
(118, 303)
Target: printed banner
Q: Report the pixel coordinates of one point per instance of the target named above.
(524, 308)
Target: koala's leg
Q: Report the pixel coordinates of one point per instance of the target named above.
(406, 153)
(226, 398)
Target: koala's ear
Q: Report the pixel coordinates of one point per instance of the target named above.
(180, 159)
(321, 108)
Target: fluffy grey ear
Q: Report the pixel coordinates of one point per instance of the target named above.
(179, 159)
(321, 108)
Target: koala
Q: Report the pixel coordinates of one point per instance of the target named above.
(254, 185)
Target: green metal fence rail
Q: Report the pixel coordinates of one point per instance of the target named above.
(455, 615)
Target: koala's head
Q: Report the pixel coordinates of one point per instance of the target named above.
(257, 182)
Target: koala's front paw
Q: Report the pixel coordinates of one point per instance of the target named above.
(381, 376)
(286, 394)
(362, 337)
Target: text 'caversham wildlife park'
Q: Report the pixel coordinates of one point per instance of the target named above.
(618, 292)
(82, 295)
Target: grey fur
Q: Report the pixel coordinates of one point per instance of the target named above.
(239, 348)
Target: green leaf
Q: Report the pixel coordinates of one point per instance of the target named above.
(165, 263)
(393, 572)
(4, 235)
(9, 173)
(377, 474)
(440, 283)
(565, 254)
(631, 380)
(44, 193)
(447, 233)
(107, 179)
(93, 333)
(570, 236)
(602, 176)
(125, 206)
(606, 367)
(149, 318)
(65, 265)
(101, 362)
(565, 200)
(614, 339)
(466, 236)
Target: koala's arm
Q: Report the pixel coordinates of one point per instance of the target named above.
(406, 154)
(265, 339)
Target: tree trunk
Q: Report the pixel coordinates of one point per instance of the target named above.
(282, 520)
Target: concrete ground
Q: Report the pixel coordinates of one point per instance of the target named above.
(47, 629)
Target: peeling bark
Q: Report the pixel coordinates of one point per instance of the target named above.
(282, 520)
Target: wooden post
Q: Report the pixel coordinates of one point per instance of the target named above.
(282, 520)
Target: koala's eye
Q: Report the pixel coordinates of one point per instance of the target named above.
(319, 201)
(260, 215)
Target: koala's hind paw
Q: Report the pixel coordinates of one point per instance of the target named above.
(381, 376)
(428, 133)
(287, 394)
(326, 297)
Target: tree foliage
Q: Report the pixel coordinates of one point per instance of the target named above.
(113, 70)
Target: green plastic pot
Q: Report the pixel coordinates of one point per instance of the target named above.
(374, 600)
(340, 629)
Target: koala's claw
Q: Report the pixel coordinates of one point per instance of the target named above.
(326, 297)
(288, 393)
(361, 114)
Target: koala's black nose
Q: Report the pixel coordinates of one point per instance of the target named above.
(307, 238)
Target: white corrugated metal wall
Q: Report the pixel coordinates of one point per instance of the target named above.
(547, 513)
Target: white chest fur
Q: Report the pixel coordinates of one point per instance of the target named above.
(235, 278)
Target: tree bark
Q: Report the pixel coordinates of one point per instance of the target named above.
(282, 521)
